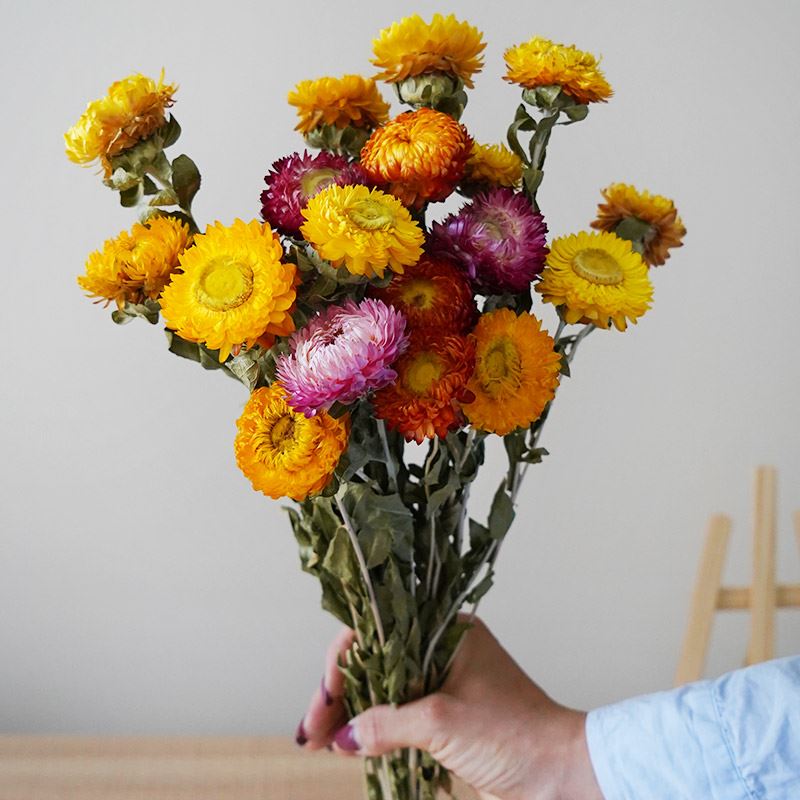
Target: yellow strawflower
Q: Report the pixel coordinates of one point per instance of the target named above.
(131, 110)
(493, 165)
(540, 62)
(351, 100)
(662, 228)
(233, 288)
(597, 278)
(284, 453)
(414, 47)
(516, 372)
(365, 231)
(136, 266)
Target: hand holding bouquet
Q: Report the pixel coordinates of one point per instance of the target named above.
(360, 324)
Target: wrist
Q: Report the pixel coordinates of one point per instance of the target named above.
(577, 778)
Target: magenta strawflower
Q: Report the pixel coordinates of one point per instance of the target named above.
(295, 179)
(497, 239)
(341, 354)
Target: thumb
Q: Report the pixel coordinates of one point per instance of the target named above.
(424, 724)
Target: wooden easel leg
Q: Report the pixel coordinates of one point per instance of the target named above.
(704, 601)
(762, 595)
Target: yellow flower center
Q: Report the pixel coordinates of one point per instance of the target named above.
(597, 266)
(315, 180)
(224, 284)
(369, 215)
(419, 293)
(500, 369)
(282, 432)
(423, 372)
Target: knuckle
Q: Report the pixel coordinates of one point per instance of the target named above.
(436, 711)
(370, 730)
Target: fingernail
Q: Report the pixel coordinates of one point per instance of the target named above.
(326, 694)
(346, 738)
(300, 737)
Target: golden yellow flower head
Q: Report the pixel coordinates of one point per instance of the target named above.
(132, 110)
(420, 155)
(492, 165)
(284, 453)
(347, 101)
(414, 47)
(136, 266)
(540, 62)
(649, 218)
(366, 231)
(516, 372)
(596, 278)
(233, 288)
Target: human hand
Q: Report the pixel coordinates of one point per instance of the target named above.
(490, 725)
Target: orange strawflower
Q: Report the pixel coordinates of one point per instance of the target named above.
(431, 383)
(420, 155)
(433, 293)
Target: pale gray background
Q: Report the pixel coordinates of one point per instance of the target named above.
(144, 587)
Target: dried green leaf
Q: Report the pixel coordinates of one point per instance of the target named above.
(185, 180)
(501, 514)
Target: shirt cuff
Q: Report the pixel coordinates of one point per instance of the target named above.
(663, 746)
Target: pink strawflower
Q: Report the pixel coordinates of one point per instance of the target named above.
(497, 239)
(341, 354)
(295, 179)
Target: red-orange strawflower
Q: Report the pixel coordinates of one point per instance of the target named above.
(420, 155)
(425, 399)
(433, 293)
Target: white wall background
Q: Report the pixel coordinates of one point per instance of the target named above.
(145, 588)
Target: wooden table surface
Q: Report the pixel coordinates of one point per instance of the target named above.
(173, 768)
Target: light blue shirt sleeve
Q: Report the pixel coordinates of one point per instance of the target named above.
(734, 738)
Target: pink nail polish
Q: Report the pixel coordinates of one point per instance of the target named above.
(346, 738)
(300, 737)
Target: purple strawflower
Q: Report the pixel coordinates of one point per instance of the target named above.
(341, 354)
(295, 179)
(497, 239)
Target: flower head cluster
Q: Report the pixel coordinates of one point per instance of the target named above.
(136, 266)
(131, 110)
(420, 156)
(432, 294)
(234, 287)
(516, 372)
(414, 47)
(365, 231)
(491, 166)
(540, 62)
(283, 453)
(431, 383)
(650, 219)
(344, 352)
(596, 278)
(497, 239)
(295, 179)
(351, 100)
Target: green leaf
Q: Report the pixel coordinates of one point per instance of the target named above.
(534, 456)
(245, 368)
(501, 514)
(576, 113)
(564, 368)
(532, 178)
(376, 544)
(130, 197)
(339, 559)
(149, 186)
(481, 588)
(170, 131)
(185, 180)
(478, 534)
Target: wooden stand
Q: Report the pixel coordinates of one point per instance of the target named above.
(761, 598)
